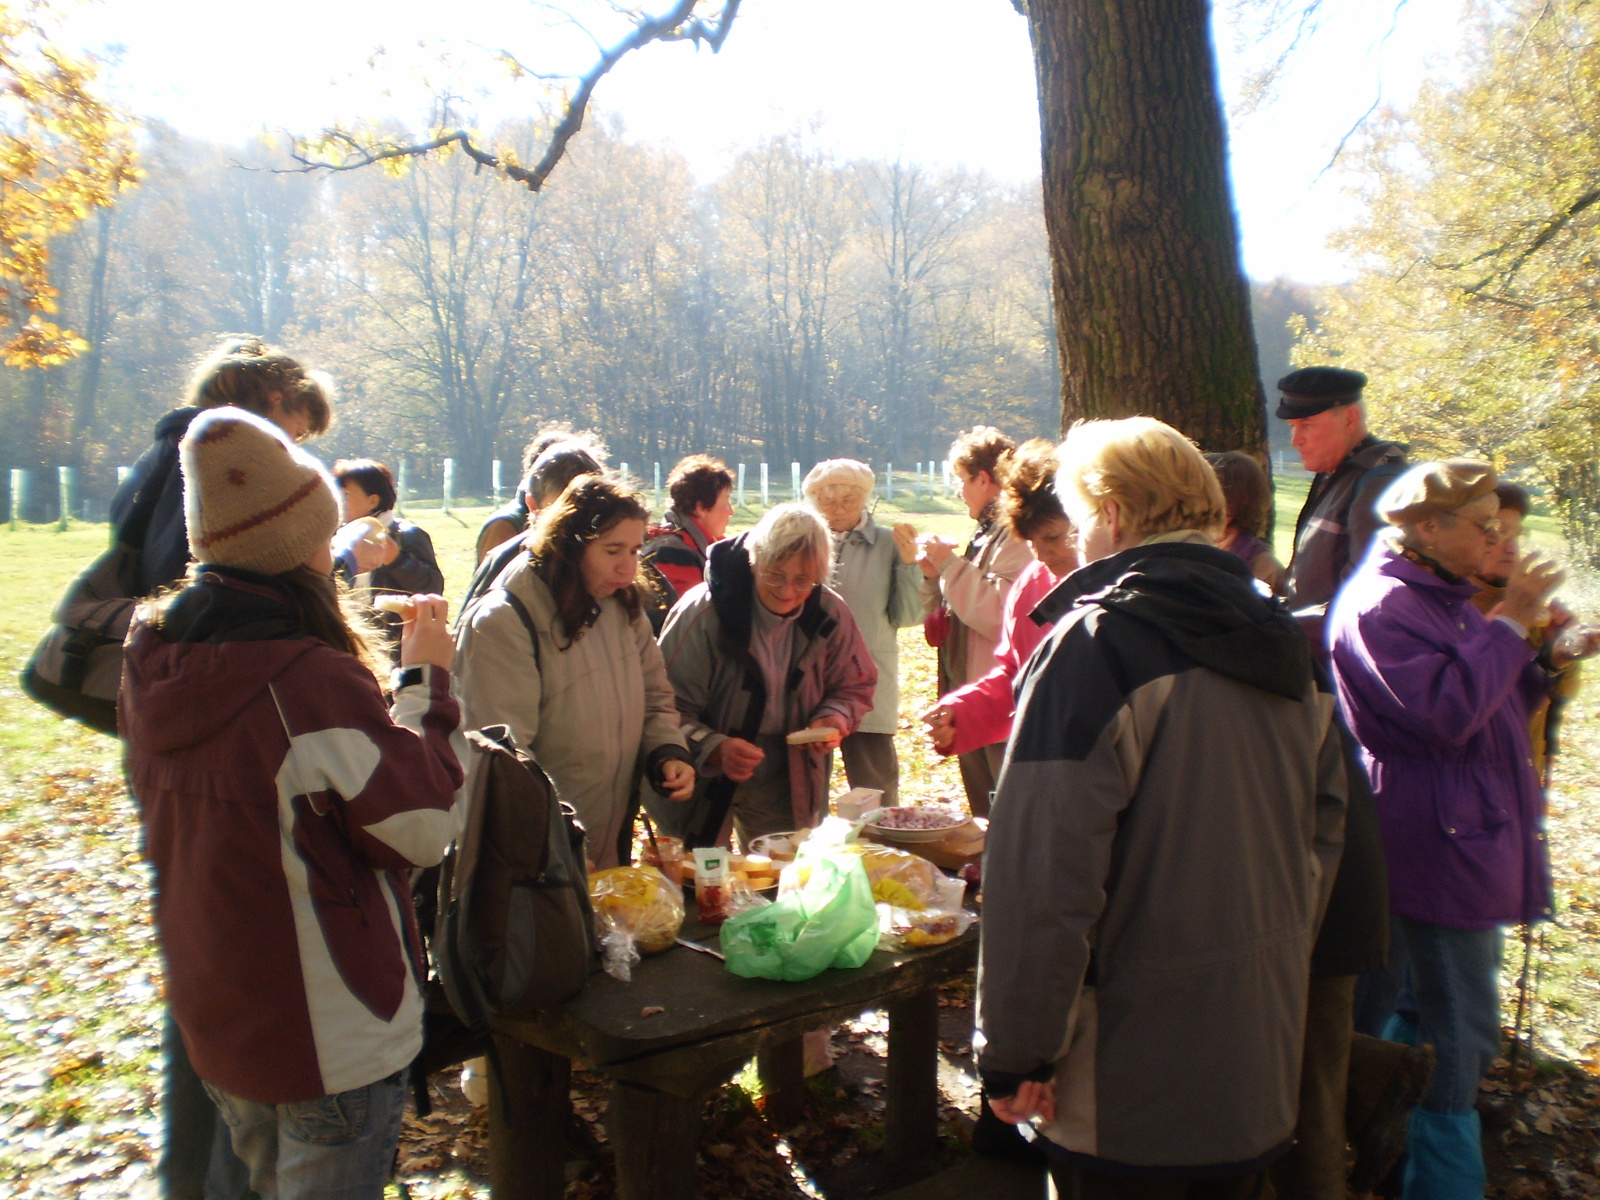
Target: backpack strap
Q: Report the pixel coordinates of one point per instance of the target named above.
(523, 615)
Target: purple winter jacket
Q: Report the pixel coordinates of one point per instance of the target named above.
(1439, 698)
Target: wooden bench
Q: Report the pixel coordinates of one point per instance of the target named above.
(712, 1022)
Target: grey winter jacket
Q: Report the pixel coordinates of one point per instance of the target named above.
(884, 595)
(595, 713)
(1163, 841)
(721, 693)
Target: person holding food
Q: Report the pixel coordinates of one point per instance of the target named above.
(879, 580)
(241, 371)
(560, 651)
(978, 714)
(409, 564)
(284, 802)
(964, 593)
(1143, 1009)
(771, 674)
(1440, 697)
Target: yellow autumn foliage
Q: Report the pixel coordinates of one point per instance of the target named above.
(64, 151)
(1476, 311)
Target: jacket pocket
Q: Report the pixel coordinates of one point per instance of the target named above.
(329, 1120)
(1465, 800)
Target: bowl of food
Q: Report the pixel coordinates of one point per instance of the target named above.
(780, 847)
(914, 823)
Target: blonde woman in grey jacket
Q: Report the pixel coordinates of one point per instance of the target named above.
(876, 572)
(560, 650)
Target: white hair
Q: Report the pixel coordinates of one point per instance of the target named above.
(838, 472)
(788, 531)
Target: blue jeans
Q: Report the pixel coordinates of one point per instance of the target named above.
(197, 1159)
(1446, 984)
(338, 1147)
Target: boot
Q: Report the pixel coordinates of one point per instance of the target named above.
(1444, 1157)
(1387, 1081)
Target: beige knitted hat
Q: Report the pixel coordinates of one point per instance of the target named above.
(250, 497)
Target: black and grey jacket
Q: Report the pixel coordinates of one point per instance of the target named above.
(1164, 838)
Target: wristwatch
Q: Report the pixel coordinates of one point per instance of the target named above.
(404, 677)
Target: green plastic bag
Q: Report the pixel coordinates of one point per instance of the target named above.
(830, 921)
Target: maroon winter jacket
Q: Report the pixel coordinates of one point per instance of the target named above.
(283, 807)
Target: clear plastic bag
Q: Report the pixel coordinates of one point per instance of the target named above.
(636, 911)
(825, 920)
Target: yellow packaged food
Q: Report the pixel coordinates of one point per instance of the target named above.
(899, 877)
(640, 902)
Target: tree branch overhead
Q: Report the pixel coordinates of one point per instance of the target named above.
(339, 149)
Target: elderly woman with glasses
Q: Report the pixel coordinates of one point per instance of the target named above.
(763, 649)
(1439, 696)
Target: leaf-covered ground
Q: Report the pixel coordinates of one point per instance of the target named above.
(80, 984)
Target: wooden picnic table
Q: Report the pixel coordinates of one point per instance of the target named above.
(710, 1024)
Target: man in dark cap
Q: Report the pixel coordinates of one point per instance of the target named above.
(1329, 430)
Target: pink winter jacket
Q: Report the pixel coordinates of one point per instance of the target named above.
(983, 707)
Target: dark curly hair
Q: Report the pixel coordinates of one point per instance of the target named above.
(1028, 488)
(590, 507)
(697, 481)
(981, 448)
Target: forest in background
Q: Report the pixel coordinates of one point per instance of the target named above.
(796, 308)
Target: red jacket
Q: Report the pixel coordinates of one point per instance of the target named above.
(677, 548)
(283, 903)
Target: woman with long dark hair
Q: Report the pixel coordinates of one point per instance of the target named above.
(285, 803)
(560, 651)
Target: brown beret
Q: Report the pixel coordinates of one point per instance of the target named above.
(1431, 488)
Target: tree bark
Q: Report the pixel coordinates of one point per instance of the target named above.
(1152, 307)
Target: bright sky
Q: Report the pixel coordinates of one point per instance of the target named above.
(939, 81)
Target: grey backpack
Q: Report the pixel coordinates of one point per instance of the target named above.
(514, 932)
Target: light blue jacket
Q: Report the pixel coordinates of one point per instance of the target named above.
(884, 596)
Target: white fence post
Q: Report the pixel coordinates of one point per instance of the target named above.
(449, 483)
(888, 483)
(655, 503)
(494, 475)
(766, 494)
(19, 495)
(64, 476)
(741, 485)
(794, 481)
(400, 488)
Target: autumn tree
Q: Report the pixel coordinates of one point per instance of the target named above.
(1475, 307)
(64, 151)
(1152, 307)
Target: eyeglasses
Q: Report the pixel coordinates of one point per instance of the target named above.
(781, 583)
(1489, 526)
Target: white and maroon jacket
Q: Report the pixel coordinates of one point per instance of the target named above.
(284, 804)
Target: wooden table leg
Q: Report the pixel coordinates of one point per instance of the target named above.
(783, 1082)
(655, 1136)
(911, 1092)
(530, 1106)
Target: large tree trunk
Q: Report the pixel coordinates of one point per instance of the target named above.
(1152, 308)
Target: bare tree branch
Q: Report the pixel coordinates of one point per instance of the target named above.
(678, 24)
(1553, 226)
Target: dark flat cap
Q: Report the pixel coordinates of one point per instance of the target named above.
(1311, 390)
(1431, 488)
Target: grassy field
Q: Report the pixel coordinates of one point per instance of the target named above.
(80, 979)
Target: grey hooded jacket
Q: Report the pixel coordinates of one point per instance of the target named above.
(1165, 835)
